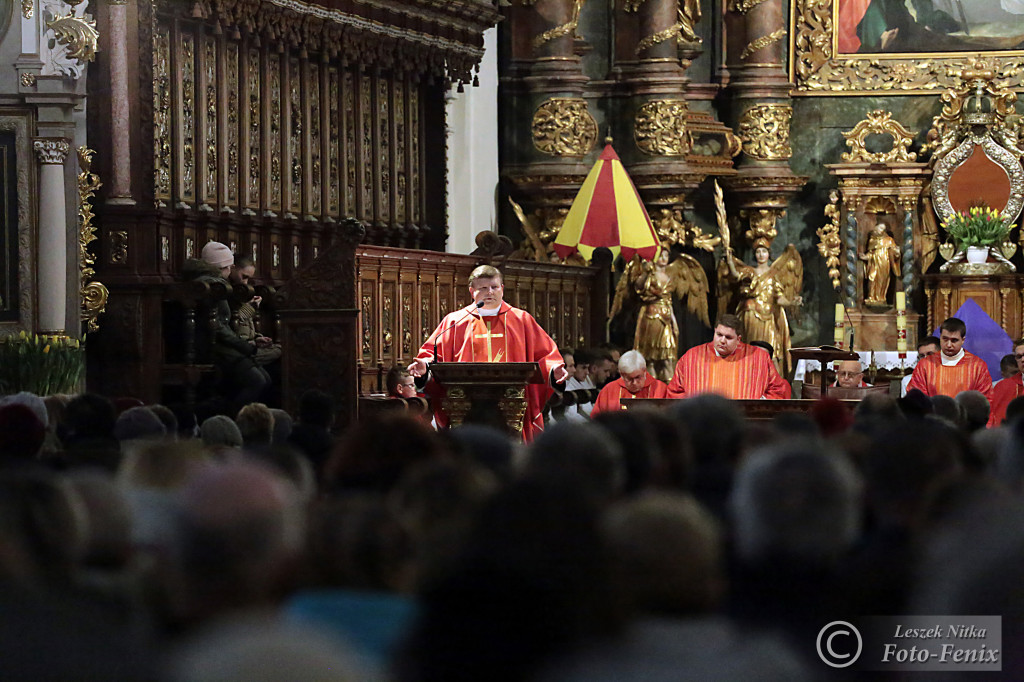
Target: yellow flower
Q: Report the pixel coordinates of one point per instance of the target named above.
(22, 335)
(47, 349)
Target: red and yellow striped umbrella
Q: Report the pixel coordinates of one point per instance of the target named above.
(607, 212)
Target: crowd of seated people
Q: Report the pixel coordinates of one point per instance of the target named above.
(677, 543)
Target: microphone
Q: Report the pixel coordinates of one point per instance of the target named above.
(478, 305)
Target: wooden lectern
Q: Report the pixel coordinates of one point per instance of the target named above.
(481, 387)
(823, 355)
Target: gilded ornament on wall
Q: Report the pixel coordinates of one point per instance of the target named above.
(830, 245)
(763, 42)
(78, 34)
(660, 128)
(566, 29)
(764, 130)
(94, 294)
(879, 122)
(817, 66)
(564, 127)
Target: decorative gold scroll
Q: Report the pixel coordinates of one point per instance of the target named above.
(765, 131)
(80, 35)
(763, 42)
(879, 122)
(660, 128)
(162, 135)
(315, 161)
(94, 294)
(568, 28)
(831, 244)
(276, 181)
(817, 69)
(564, 127)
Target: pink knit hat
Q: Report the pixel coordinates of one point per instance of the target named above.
(217, 254)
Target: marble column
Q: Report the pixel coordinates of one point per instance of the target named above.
(53, 230)
(120, 124)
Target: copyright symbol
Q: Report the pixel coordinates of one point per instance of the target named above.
(834, 644)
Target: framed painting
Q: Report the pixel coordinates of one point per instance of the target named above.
(901, 46)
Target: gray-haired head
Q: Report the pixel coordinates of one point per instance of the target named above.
(32, 402)
(795, 501)
(631, 361)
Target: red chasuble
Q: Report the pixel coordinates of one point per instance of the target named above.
(610, 395)
(510, 336)
(747, 374)
(1002, 393)
(931, 377)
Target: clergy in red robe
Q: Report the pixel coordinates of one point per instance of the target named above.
(1009, 388)
(490, 330)
(634, 382)
(729, 367)
(953, 369)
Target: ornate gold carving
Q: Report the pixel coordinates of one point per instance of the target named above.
(764, 130)
(743, 6)
(406, 320)
(333, 142)
(186, 66)
(119, 247)
(231, 69)
(830, 245)
(817, 69)
(387, 336)
(367, 325)
(415, 181)
(295, 114)
(384, 150)
(660, 128)
(564, 127)
(28, 79)
(209, 57)
(28, 8)
(296, 260)
(274, 80)
(275, 255)
(763, 42)
(79, 34)
(366, 109)
(568, 28)
(689, 14)
(879, 122)
(190, 247)
(161, 114)
(252, 199)
(351, 161)
(401, 144)
(94, 294)
(315, 159)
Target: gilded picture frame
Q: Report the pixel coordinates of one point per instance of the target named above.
(818, 67)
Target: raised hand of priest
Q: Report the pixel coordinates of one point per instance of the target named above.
(417, 368)
(560, 374)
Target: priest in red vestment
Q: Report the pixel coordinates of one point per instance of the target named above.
(729, 367)
(634, 382)
(1009, 388)
(490, 330)
(953, 369)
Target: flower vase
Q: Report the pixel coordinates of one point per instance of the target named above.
(977, 254)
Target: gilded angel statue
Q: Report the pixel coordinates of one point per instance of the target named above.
(883, 260)
(651, 288)
(759, 295)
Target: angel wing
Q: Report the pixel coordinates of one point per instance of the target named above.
(531, 230)
(788, 271)
(624, 290)
(690, 283)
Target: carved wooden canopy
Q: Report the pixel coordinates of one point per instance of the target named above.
(443, 37)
